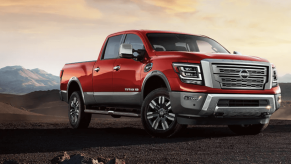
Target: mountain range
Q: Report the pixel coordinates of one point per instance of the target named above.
(18, 80)
(285, 79)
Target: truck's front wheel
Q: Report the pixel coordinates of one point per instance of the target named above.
(247, 129)
(77, 117)
(157, 116)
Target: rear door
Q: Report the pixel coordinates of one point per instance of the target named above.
(126, 79)
(103, 69)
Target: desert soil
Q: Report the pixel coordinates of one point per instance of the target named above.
(34, 128)
(40, 142)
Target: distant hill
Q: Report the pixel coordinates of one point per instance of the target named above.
(286, 91)
(18, 80)
(8, 109)
(285, 79)
(39, 102)
(43, 102)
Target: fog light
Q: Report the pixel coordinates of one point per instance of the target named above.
(268, 107)
(196, 98)
(279, 99)
(192, 82)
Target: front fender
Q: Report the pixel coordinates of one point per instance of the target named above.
(155, 73)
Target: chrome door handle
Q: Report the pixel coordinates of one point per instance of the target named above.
(116, 68)
(97, 69)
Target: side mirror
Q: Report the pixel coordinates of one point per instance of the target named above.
(125, 51)
(236, 52)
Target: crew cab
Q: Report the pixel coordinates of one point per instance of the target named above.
(171, 80)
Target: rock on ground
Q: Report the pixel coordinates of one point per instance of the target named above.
(82, 159)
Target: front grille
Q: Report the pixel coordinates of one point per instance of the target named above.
(242, 103)
(235, 76)
(238, 71)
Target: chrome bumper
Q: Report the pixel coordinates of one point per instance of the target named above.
(210, 106)
(202, 109)
(206, 105)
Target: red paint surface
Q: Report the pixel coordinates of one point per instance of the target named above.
(131, 74)
(128, 76)
(102, 80)
(83, 71)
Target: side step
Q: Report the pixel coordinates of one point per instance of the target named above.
(117, 113)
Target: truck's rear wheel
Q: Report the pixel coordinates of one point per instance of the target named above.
(247, 129)
(157, 116)
(77, 117)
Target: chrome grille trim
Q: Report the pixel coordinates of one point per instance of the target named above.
(222, 73)
(229, 76)
(235, 69)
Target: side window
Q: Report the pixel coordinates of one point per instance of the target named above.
(135, 41)
(205, 46)
(182, 46)
(112, 47)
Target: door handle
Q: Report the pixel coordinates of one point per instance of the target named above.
(116, 68)
(97, 69)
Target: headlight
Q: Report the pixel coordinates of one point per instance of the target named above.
(274, 77)
(189, 73)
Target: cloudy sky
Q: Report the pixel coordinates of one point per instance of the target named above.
(48, 34)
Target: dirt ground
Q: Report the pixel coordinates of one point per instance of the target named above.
(39, 142)
(34, 128)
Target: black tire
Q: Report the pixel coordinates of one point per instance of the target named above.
(77, 117)
(248, 129)
(115, 116)
(157, 121)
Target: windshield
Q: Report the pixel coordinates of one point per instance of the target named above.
(182, 42)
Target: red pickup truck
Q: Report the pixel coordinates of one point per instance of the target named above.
(171, 80)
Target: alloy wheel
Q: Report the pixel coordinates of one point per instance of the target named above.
(74, 110)
(159, 113)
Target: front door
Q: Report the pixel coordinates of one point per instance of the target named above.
(103, 71)
(126, 78)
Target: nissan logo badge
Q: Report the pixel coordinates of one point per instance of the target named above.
(244, 74)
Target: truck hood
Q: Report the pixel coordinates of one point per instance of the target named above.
(196, 57)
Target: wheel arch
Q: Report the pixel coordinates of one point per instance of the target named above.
(154, 75)
(74, 85)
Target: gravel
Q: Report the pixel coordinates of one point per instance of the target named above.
(40, 142)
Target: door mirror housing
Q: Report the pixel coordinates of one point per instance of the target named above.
(236, 52)
(125, 51)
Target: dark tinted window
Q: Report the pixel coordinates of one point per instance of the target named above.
(112, 47)
(135, 41)
(181, 42)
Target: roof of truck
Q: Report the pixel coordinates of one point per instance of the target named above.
(156, 31)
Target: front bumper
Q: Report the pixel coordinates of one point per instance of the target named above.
(203, 108)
